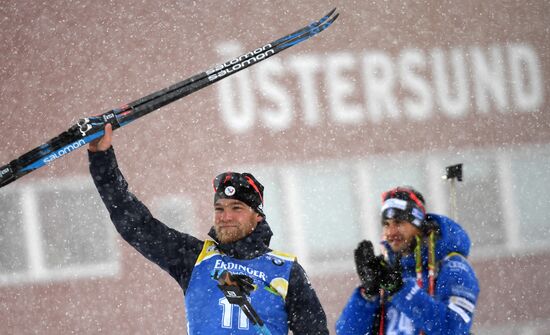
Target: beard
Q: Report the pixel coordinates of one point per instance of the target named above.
(229, 234)
(405, 246)
(230, 230)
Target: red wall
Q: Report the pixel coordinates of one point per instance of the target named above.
(62, 61)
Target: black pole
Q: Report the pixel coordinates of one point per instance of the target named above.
(453, 173)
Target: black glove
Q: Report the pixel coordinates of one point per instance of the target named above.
(391, 279)
(369, 267)
(243, 282)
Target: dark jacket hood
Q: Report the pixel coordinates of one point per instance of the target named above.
(251, 246)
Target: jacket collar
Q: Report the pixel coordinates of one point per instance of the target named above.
(249, 247)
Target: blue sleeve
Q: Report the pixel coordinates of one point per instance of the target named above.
(170, 249)
(451, 310)
(359, 315)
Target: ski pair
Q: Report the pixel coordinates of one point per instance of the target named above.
(236, 289)
(91, 128)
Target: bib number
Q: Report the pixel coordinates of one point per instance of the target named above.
(228, 310)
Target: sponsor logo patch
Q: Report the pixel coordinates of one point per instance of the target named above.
(229, 191)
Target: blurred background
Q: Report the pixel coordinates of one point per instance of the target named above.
(389, 95)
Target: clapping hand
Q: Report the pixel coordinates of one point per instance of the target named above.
(369, 268)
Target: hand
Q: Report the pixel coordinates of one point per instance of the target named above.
(244, 282)
(369, 267)
(103, 143)
(226, 278)
(391, 279)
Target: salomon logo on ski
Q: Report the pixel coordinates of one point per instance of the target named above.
(64, 151)
(238, 63)
(88, 129)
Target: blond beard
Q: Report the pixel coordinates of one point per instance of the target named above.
(225, 235)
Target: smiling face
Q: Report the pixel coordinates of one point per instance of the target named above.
(399, 234)
(233, 220)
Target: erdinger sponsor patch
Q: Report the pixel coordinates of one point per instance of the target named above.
(239, 268)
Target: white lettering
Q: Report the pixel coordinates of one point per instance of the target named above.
(489, 81)
(281, 115)
(526, 81)
(63, 151)
(374, 87)
(412, 292)
(239, 268)
(4, 171)
(305, 68)
(379, 77)
(238, 118)
(340, 87)
(453, 104)
(240, 59)
(260, 57)
(227, 69)
(420, 108)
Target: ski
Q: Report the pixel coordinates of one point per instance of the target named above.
(91, 128)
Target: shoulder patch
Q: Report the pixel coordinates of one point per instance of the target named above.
(278, 286)
(282, 255)
(457, 266)
(209, 249)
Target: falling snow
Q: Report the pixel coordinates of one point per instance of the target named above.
(391, 94)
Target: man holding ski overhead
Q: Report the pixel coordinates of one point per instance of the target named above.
(423, 284)
(233, 283)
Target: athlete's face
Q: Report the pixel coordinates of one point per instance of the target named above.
(233, 220)
(399, 234)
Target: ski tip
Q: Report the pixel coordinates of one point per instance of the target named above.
(328, 19)
(328, 23)
(331, 12)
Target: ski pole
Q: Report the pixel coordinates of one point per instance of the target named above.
(236, 289)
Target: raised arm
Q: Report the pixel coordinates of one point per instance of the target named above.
(172, 250)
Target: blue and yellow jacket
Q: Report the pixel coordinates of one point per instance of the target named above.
(209, 311)
(411, 309)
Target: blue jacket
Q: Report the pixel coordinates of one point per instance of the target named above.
(411, 309)
(177, 252)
